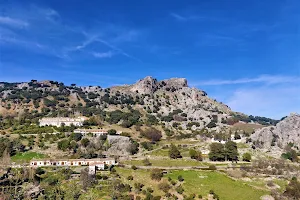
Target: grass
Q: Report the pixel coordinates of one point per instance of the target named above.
(27, 156)
(167, 162)
(201, 182)
(165, 152)
(139, 176)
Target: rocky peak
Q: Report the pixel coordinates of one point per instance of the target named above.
(285, 132)
(176, 83)
(147, 85)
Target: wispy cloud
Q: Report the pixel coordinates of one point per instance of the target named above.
(13, 22)
(107, 54)
(189, 17)
(178, 17)
(268, 101)
(266, 79)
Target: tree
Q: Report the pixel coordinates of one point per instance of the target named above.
(85, 142)
(180, 178)
(112, 132)
(156, 174)
(76, 136)
(195, 154)
(152, 134)
(231, 151)
(174, 153)
(217, 152)
(247, 157)
(237, 136)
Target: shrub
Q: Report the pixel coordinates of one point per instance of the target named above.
(174, 153)
(147, 162)
(212, 167)
(179, 189)
(164, 186)
(152, 134)
(133, 167)
(130, 178)
(180, 178)
(156, 174)
(247, 157)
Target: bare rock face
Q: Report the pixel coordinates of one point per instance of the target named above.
(285, 132)
(173, 83)
(147, 85)
(119, 145)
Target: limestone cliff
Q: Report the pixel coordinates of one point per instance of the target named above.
(285, 132)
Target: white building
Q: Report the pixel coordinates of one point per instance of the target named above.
(95, 132)
(98, 163)
(58, 121)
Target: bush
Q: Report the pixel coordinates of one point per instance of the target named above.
(130, 178)
(180, 178)
(112, 132)
(179, 189)
(247, 157)
(156, 174)
(133, 167)
(212, 167)
(152, 134)
(174, 153)
(164, 186)
(147, 162)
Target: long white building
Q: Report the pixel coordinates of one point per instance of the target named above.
(95, 132)
(58, 121)
(96, 162)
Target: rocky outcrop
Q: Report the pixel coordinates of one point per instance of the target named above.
(147, 85)
(285, 132)
(119, 145)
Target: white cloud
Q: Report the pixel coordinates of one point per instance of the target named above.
(268, 101)
(178, 17)
(267, 79)
(13, 22)
(107, 54)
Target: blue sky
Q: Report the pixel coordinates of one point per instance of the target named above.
(244, 53)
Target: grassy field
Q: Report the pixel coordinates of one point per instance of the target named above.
(26, 157)
(165, 152)
(201, 182)
(167, 162)
(139, 176)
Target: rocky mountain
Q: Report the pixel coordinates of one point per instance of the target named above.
(170, 104)
(286, 132)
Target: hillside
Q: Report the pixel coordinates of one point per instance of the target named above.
(169, 101)
(166, 129)
(278, 137)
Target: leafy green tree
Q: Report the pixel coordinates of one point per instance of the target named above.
(231, 151)
(217, 152)
(195, 154)
(247, 157)
(112, 132)
(85, 142)
(174, 153)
